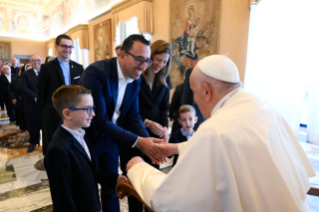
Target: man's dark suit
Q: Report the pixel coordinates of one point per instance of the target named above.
(15, 70)
(73, 177)
(50, 79)
(14, 93)
(102, 79)
(177, 137)
(4, 84)
(31, 109)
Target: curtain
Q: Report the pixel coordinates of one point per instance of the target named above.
(282, 53)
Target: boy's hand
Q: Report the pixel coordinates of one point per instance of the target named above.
(121, 179)
(149, 147)
(133, 161)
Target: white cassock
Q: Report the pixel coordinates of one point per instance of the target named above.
(244, 158)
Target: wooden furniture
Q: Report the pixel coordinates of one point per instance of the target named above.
(314, 190)
(126, 189)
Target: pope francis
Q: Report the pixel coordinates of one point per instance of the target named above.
(244, 157)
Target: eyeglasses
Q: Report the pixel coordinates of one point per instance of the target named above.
(39, 61)
(88, 109)
(65, 47)
(140, 60)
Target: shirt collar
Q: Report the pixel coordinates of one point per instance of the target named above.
(222, 101)
(184, 133)
(76, 133)
(60, 61)
(120, 73)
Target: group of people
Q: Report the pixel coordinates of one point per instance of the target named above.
(242, 156)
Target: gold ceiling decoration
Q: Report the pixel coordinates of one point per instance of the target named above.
(29, 5)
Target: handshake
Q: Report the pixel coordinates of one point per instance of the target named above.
(156, 149)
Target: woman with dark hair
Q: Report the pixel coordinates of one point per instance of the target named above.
(154, 93)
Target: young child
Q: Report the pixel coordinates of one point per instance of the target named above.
(69, 162)
(187, 118)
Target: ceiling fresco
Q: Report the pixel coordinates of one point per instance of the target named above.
(47, 18)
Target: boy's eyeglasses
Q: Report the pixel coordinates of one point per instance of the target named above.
(88, 109)
(140, 60)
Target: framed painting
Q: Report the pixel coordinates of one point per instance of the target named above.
(5, 52)
(194, 29)
(3, 21)
(103, 40)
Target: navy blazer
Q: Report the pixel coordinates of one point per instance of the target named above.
(73, 176)
(102, 79)
(177, 137)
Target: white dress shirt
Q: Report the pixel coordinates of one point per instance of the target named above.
(121, 92)
(36, 71)
(79, 136)
(8, 77)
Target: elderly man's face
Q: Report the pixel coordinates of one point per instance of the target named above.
(36, 62)
(6, 70)
(199, 93)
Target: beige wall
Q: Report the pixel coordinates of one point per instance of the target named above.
(27, 47)
(91, 36)
(233, 37)
(233, 34)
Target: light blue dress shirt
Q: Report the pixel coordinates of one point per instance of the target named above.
(65, 66)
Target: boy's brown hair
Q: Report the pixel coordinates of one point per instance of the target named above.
(68, 96)
(186, 109)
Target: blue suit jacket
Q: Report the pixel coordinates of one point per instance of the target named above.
(102, 79)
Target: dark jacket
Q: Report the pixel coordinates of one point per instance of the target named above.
(4, 84)
(102, 79)
(154, 104)
(14, 91)
(73, 176)
(28, 85)
(49, 80)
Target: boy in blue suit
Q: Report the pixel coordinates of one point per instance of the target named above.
(72, 170)
(187, 118)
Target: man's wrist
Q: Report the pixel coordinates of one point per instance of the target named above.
(147, 123)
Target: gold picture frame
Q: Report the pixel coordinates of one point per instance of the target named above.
(103, 40)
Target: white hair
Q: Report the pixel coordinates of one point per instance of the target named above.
(5, 66)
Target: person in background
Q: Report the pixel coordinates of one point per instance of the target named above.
(60, 71)
(5, 80)
(15, 97)
(187, 119)
(183, 95)
(14, 66)
(32, 110)
(118, 50)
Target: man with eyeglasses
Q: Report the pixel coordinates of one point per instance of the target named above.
(31, 110)
(115, 85)
(60, 71)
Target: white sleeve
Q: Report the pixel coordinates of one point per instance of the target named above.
(145, 180)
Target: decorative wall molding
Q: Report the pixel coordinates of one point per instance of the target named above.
(126, 4)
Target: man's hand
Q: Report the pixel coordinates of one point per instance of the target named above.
(14, 101)
(157, 129)
(165, 137)
(133, 161)
(149, 147)
(168, 149)
(121, 179)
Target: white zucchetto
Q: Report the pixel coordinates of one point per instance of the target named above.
(219, 67)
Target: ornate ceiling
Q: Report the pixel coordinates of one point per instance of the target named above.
(29, 5)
